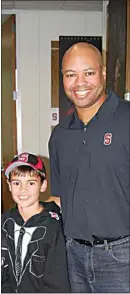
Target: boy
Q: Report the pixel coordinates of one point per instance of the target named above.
(36, 254)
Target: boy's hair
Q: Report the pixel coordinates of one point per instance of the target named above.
(26, 163)
(23, 170)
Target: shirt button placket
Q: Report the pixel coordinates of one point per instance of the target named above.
(83, 141)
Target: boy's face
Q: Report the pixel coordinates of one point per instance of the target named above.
(25, 189)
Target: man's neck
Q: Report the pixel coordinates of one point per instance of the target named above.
(87, 113)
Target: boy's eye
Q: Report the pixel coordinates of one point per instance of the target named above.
(31, 183)
(16, 183)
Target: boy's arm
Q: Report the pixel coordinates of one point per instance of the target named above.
(6, 286)
(56, 273)
(5, 280)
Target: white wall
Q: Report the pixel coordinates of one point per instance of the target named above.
(34, 33)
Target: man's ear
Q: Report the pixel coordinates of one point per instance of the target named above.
(9, 185)
(43, 186)
(104, 72)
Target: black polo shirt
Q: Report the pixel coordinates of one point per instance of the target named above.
(90, 171)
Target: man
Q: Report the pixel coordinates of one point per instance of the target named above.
(89, 162)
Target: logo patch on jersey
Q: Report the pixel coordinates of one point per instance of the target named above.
(54, 215)
(107, 139)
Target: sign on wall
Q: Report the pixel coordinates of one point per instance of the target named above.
(54, 116)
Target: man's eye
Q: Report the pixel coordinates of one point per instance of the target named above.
(71, 75)
(89, 73)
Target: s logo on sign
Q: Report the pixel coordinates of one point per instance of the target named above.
(107, 138)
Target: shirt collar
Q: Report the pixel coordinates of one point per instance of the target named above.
(106, 111)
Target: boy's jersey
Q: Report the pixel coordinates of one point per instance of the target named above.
(42, 254)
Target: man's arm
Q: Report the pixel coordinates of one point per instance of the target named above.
(54, 170)
(55, 199)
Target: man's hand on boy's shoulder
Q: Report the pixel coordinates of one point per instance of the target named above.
(55, 199)
(52, 207)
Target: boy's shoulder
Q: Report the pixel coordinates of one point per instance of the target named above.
(8, 213)
(52, 213)
(50, 216)
(7, 220)
(51, 206)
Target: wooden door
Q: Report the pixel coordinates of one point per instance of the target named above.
(8, 105)
(54, 73)
(116, 46)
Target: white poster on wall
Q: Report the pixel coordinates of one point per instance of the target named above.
(54, 116)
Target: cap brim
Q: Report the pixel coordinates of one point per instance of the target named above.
(16, 164)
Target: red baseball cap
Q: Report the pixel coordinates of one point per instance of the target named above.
(26, 159)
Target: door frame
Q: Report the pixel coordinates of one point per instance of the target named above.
(128, 49)
(16, 82)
